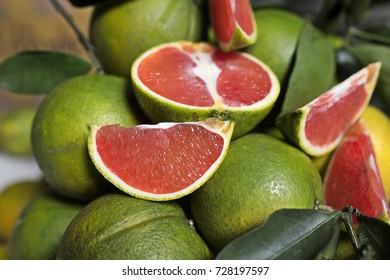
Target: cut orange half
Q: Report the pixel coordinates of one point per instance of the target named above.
(234, 23)
(353, 178)
(318, 127)
(185, 82)
(160, 162)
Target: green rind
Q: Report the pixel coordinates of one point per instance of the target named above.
(239, 40)
(160, 111)
(133, 191)
(291, 126)
(118, 226)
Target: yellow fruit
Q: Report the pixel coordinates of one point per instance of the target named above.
(13, 199)
(118, 226)
(378, 124)
(61, 128)
(15, 130)
(40, 227)
(259, 175)
(120, 31)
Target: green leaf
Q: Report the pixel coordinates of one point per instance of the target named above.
(374, 237)
(368, 53)
(379, 36)
(288, 234)
(313, 72)
(36, 72)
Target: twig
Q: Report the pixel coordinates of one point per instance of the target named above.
(82, 39)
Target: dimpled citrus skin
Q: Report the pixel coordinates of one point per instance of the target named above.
(259, 175)
(118, 226)
(61, 128)
(40, 227)
(121, 31)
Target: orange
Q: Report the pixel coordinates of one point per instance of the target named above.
(118, 226)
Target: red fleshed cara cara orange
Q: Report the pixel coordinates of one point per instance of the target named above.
(353, 177)
(234, 23)
(318, 127)
(186, 82)
(160, 162)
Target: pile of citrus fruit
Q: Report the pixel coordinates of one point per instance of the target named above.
(209, 116)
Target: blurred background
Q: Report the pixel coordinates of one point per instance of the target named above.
(32, 25)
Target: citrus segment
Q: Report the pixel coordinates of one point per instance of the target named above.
(353, 177)
(233, 23)
(160, 162)
(184, 81)
(318, 127)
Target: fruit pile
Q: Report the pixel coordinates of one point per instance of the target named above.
(201, 130)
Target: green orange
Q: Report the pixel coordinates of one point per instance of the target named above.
(13, 199)
(61, 128)
(40, 227)
(259, 175)
(118, 226)
(121, 30)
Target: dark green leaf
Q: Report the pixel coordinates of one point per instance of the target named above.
(36, 72)
(358, 10)
(313, 72)
(374, 237)
(363, 36)
(369, 53)
(288, 234)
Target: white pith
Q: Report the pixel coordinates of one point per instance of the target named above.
(337, 92)
(202, 60)
(223, 128)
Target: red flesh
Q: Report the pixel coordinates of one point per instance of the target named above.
(158, 160)
(170, 73)
(225, 17)
(352, 179)
(335, 119)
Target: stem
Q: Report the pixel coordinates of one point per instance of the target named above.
(347, 219)
(82, 39)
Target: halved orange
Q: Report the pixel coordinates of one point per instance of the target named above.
(185, 82)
